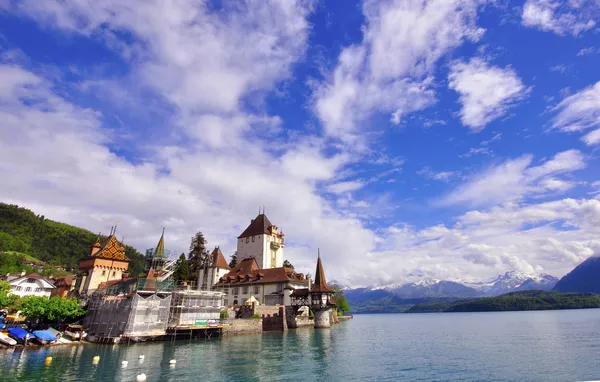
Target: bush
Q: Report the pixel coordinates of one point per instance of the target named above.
(224, 314)
(255, 315)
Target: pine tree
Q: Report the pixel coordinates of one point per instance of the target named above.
(233, 261)
(182, 271)
(197, 255)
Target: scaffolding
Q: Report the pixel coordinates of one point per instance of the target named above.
(195, 308)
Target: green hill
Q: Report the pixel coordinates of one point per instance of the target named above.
(516, 301)
(55, 243)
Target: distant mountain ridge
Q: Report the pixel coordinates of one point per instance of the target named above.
(585, 278)
(399, 297)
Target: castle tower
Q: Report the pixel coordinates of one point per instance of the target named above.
(158, 259)
(320, 297)
(263, 241)
(105, 262)
(215, 266)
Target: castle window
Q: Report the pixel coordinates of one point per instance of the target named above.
(114, 273)
(235, 290)
(103, 273)
(253, 239)
(256, 290)
(247, 239)
(245, 290)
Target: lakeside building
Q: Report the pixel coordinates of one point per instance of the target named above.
(31, 285)
(259, 276)
(106, 262)
(64, 285)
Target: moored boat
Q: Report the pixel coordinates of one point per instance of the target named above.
(6, 340)
(44, 337)
(75, 332)
(20, 334)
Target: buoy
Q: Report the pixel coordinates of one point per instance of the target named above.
(172, 362)
(48, 360)
(141, 356)
(95, 360)
(124, 363)
(140, 377)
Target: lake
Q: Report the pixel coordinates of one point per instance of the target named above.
(506, 346)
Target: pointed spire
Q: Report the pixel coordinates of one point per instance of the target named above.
(160, 247)
(320, 284)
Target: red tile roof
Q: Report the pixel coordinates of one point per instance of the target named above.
(259, 226)
(247, 272)
(219, 260)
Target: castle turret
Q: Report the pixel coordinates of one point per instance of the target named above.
(263, 241)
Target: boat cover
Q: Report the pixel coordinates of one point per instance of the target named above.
(18, 333)
(44, 335)
(54, 331)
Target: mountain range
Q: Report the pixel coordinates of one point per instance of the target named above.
(400, 297)
(585, 278)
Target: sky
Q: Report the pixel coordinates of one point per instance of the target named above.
(413, 139)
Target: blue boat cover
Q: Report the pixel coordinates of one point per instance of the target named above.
(18, 333)
(44, 335)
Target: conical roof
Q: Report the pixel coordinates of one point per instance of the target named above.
(160, 247)
(320, 285)
(218, 260)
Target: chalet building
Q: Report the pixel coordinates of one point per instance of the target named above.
(262, 241)
(214, 267)
(105, 262)
(247, 280)
(31, 285)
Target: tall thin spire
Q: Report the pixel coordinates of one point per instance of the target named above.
(320, 285)
(160, 247)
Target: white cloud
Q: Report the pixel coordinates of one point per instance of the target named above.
(496, 137)
(578, 112)
(475, 151)
(344, 187)
(559, 68)
(592, 138)
(587, 51)
(442, 175)
(390, 71)
(486, 92)
(561, 17)
(516, 179)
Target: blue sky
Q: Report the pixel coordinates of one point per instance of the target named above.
(406, 139)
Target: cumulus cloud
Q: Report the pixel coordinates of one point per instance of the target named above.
(561, 17)
(486, 92)
(390, 71)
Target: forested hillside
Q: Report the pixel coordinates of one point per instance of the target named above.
(55, 243)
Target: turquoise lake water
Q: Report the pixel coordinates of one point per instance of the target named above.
(511, 346)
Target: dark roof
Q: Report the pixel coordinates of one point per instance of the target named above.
(65, 280)
(219, 260)
(260, 225)
(301, 292)
(247, 272)
(320, 285)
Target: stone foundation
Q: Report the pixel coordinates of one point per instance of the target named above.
(244, 326)
(322, 318)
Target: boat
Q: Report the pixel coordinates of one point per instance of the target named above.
(6, 340)
(75, 332)
(20, 334)
(44, 337)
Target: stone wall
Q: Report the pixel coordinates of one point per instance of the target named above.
(244, 326)
(322, 318)
(276, 322)
(304, 321)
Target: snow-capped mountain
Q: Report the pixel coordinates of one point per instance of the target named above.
(514, 281)
(509, 282)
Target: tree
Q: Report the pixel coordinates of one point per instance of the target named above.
(287, 264)
(7, 299)
(340, 300)
(233, 261)
(58, 308)
(34, 307)
(182, 270)
(197, 255)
